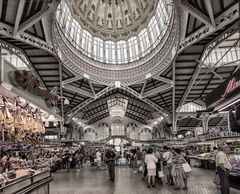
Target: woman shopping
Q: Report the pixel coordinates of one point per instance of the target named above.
(151, 160)
(178, 173)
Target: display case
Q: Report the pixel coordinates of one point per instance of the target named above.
(24, 183)
(235, 172)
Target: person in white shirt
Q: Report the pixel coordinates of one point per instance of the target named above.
(99, 159)
(151, 160)
(223, 167)
(167, 157)
(215, 152)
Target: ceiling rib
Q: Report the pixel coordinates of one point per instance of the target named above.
(38, 16)
(195, 12)
(18, 16)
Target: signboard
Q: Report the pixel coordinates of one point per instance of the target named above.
(227, 90)
(27, 81)
(216, 135)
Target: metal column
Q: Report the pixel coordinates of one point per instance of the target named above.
(174, 115)
(61, 94)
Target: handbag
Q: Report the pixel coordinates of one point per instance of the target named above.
(216, 180)
(186, 167)
(161, 174)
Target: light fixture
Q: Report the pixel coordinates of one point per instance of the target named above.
(66, 101)
(55, 123)
(47, 115)
(46, 124)
(117, 84)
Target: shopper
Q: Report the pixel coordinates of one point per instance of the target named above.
(178, 173)
(139, 157)
(215, 152)
(99, 159)
(78, 161)
(66, 160)
(144, 165)
(151, 160)
(110, 160)
(223, 167)
(167, 163)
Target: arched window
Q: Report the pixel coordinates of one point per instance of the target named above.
(110, 51)
(89, 134)
(117, 127)
(145, 134)
(132, 130)
(103, 131)
(133, 49)
(98, 48)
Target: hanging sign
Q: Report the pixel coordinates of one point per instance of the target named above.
(27, 81)
(216, 135)
(209, 136)
(227, 90)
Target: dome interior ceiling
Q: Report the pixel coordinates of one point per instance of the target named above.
(113, 19)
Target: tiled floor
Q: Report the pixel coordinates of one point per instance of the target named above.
(91, 181)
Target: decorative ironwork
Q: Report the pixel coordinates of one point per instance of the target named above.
(221, 21)
(8, 31)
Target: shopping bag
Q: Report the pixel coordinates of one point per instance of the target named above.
(216, 180)
(187, 167)
(140, 169)
(161, 174)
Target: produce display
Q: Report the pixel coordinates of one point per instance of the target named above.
(235, 162)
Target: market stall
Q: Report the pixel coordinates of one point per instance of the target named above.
(25, 107)
(226, 98)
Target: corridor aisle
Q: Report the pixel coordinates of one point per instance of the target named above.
(90, 181)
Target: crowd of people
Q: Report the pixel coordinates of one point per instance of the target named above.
(167, 166)
(164, 167)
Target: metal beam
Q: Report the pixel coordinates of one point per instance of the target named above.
(195, 12)
(227, 17)
(78, 90)
(208, 49)
(212, 67)
(8, 31)
(70, 80)
(91, 86)
(162, 79)
(88, 101)
(38, 16)
(138, 115)
(18, 16)
(143, 88)
(210, 12)
(157, 90)
(174, 116)
(97, 115)
(159, 109)
(213, 71)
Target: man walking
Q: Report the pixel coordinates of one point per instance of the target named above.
(110, 160)
(223, 167)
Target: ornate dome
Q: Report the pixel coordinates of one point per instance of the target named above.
(113, 19)
(116, 40)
